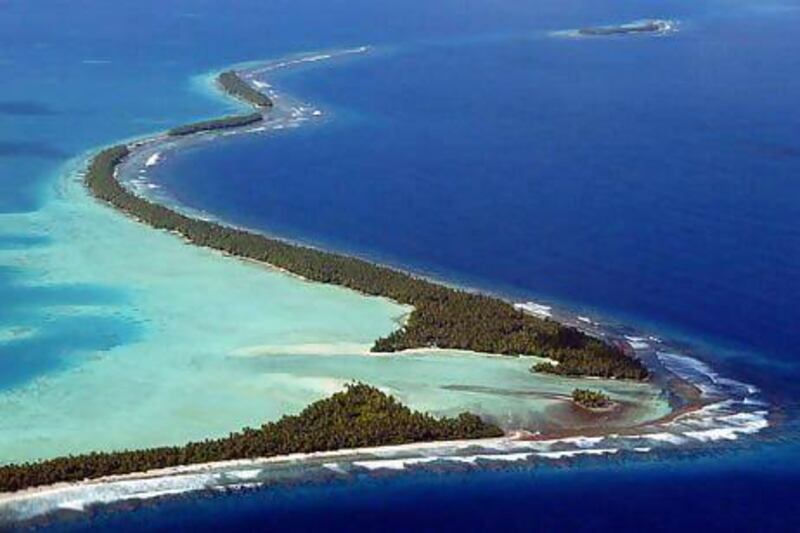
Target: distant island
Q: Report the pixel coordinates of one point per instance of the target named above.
(442, 316)
(360, 416)
(643, 26)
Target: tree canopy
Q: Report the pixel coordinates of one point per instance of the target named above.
(443, 317)
(359, 416)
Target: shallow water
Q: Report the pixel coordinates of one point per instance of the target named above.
(249, 346)
(205, 362)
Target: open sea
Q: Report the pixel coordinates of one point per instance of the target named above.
(649, 180)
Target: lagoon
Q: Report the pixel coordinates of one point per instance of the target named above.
(217, 344)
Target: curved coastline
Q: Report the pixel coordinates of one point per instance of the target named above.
(652, 360)
(442, 317)
(693, 400)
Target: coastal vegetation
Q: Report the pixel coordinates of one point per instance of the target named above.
(442, 317)
(359, 416)
(233, 121)
(237, 87)
(591, 399)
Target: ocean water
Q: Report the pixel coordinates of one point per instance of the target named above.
(607, 174)
(650, 180)
(737, 493)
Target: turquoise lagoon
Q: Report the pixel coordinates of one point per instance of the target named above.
(213, 343)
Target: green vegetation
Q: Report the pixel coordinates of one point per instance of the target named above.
(237, 87)
(233, 121)
(442, 317)
(591, 399)
(595, 358)
(360, 416)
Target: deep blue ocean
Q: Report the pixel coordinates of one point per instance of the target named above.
(650, 180)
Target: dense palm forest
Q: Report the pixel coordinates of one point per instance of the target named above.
(233, 121)
(360, 416)
(443, 317)
(236, 86)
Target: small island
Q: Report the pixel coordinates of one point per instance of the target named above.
(592, 400)
(234, 85)
(644, 26)
(233, 121)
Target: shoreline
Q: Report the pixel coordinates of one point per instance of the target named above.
(516, 436)
(519, 447)
(8, 497)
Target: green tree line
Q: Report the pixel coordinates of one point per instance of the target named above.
(233, 121)
(443, 317)
(360, 416)
(237, 87)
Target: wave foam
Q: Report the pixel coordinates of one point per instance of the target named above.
(394, 464)
(702, 375)
(637, 343)
(308, 58)
(543, 311)
(153, 160)
(565, 454)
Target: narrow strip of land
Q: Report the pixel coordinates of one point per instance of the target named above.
(223, 123)
(442, 316)
(360, 416)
